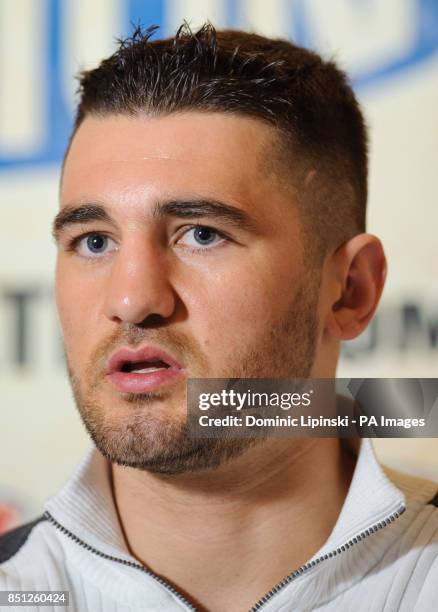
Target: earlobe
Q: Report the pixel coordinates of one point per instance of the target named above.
(360, 268)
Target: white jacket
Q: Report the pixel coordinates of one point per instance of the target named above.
(382, 554)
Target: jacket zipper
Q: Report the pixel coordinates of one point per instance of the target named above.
(138, 566)
(268, 596)
(304, 568)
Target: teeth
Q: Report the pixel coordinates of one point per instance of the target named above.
(143, 367)
(146, 370)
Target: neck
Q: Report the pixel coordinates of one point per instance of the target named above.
(263, 514)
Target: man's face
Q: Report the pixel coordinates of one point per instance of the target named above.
(184, 260)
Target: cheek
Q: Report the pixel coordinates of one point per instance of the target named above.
(64, 299)
(77, 309)
(238, 305)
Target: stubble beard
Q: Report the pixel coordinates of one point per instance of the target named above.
(143, 436)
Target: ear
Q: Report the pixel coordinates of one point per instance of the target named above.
(358, 271)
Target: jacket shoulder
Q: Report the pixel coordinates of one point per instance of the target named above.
(12, 541)
(33, 554)
(417, 490)
(434, 500)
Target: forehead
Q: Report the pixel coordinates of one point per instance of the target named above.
(207, 153)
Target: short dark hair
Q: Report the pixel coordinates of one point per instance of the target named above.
(322, 138)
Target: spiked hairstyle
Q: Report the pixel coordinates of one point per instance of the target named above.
(319, 145)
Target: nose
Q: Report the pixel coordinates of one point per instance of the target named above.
(138, 285)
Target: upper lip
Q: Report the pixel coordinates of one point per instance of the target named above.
(145, 353)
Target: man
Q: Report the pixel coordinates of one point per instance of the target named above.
(212, 224)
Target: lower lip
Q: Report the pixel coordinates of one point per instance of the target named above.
(129, 382)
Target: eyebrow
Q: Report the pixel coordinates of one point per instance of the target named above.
(71, 215)
(182, 209)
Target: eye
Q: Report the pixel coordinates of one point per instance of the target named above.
(94, 245)
(201, 237)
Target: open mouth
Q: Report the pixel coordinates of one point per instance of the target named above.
(142, 370)
(143, 367)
